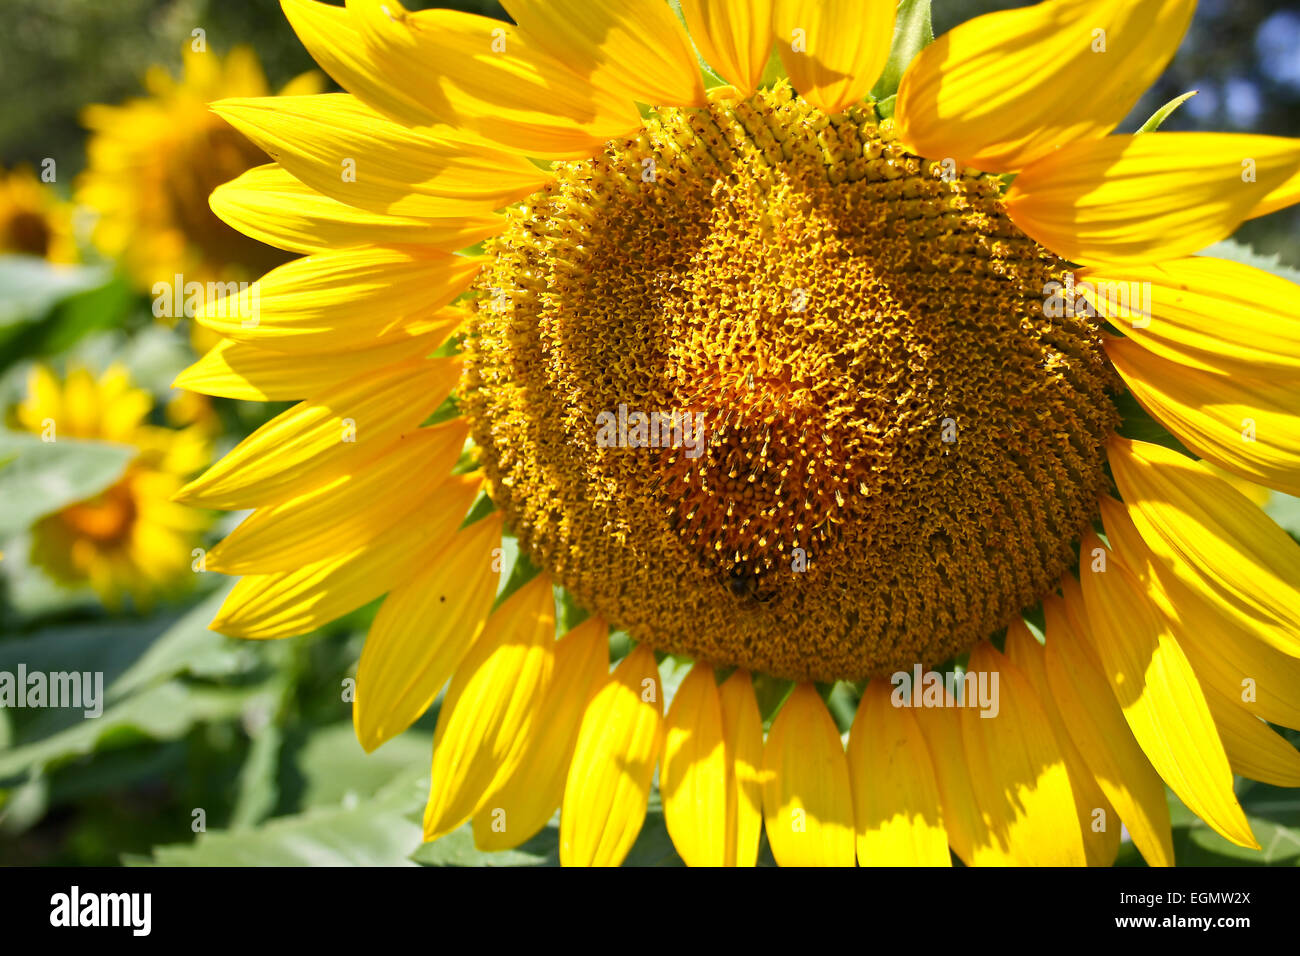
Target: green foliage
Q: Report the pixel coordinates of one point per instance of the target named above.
(39, 477)
(1159, 116)
(912, 33)
(1274, 816)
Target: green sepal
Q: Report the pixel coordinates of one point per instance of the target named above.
(913, 32)
(1159, 116)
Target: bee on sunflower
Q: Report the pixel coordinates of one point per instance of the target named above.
(130, 540)
(844, 268)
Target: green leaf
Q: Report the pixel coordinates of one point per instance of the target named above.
(1137, 424)
(377, 832)
(771, 693)
(672, 671)
(39, 477)
(774, 70)
(1285, 510)
(711, 79)
(135, 654)
(188, 647)
(913, 31)
(457, 849)
(258, 778)
(113, 306)
(1274, 817)
(164, 712)
(30, 287)
(332, 770)
(1158, 118)
(842, 702)
(1240, 252)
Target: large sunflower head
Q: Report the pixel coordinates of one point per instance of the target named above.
(131, 539)
(818, 378)
(153, 161)
(34, 219)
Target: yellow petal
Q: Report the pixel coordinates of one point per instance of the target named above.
(1097, 727)
(1213, 538)
(807, 800)
(1287, 194)
(1018, 775)
(44, 399)
(833, 50)
(423, 630)
(1001, 90)
(524, 804)
(355, 508)
(272, 206)
(286, 603)
(492, 706)
(343, 149)
(896, 807)
(1098, 821)
(734, 36)
(965, 826)
(344, 298)
(1226, 656)
(1209, 314)
(742, 729)
(1159, 694)
(486, 76)
(608, 785)
(1125, 199)
(239, 370)
(636, 48)
(334, 41)
(1254, 749)
(693, 778)
(1248, 426)
(316, 441)
(1258, 494)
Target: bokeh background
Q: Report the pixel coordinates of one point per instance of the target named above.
(215, 751)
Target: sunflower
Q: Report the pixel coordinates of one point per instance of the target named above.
(153, 161)
(795, 382)
(34, 221)
(131, 538)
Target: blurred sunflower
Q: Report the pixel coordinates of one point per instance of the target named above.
(34, 220)
(909, 402)
(153, 161)
(130, 539)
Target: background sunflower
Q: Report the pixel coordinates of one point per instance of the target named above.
(258, 737)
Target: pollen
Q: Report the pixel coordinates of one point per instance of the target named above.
(897, 445)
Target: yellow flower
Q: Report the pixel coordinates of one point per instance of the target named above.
(34, 221)
(899, 434)
(130, 539)
(153, 161)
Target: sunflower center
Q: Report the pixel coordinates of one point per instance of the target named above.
(764, 388)
(27, 232)
(107, 519)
